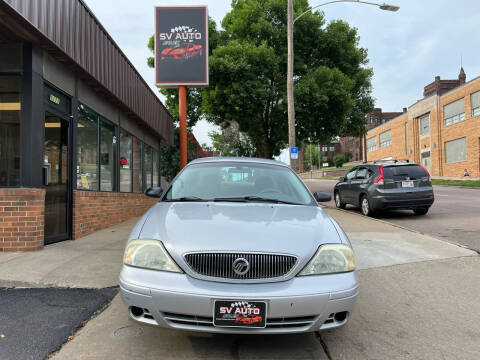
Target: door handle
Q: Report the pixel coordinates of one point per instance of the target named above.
(45, 175)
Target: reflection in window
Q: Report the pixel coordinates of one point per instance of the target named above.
(137, 165)
(125, 161)
(9, 130)
(87, 145)
(156, 167)
(108, 152)
(148, 166)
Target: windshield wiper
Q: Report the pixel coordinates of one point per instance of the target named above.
(187, 198)
(253, 198)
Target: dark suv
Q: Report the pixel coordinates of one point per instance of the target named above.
(386, 185)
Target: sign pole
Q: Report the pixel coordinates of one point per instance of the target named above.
(182, 114)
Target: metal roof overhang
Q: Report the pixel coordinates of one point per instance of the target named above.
(69, 31)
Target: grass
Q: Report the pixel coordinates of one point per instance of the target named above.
(326, 178)
(468, 183)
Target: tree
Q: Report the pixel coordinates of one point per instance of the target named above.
(248, 76)
(231, 142)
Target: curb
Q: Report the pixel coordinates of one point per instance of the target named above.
(404, 228)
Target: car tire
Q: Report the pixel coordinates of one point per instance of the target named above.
(338, 200)
(365, 206)
(422, 211)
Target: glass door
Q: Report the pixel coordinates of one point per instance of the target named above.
(56, 178)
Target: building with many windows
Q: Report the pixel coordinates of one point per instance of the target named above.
(80, 130)
(441, 131)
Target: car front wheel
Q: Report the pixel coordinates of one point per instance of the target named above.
(365, 206)
(338, 201)
(420, 211)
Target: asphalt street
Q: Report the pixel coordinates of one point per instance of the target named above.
(454, 215)
(36, 322)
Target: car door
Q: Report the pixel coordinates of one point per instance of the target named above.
(345, 190)
(356, 184)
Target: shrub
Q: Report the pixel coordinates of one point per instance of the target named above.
(339, 160)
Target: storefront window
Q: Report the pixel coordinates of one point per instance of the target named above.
(9, 130)
(155, 168)
(108, 155)
(125, 161)
(137, 165)
(87, 149)
(148, 166)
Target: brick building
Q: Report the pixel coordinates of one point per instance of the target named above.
(80, 130)
(356, 145)
(441, 131)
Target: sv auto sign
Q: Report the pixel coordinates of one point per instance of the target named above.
(181, 46)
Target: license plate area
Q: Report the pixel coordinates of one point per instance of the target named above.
(407, 184)
(240, 313)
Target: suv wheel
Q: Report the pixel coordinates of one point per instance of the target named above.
(420, 211)
(338, 200)
(365, 206)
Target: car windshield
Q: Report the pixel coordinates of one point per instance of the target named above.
(238, 181)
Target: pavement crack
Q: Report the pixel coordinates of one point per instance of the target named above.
(323, 344)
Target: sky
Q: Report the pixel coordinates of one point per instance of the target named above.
(406, 49)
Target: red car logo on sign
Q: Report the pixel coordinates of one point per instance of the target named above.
(182, 52)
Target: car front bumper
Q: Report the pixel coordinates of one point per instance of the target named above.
(178, 301)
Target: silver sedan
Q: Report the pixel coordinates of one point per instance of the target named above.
(238, 245)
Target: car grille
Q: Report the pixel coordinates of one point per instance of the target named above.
(283, 322)
(220, 265)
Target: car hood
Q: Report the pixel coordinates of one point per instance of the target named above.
(239, 227)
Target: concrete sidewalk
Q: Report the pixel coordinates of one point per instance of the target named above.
(93, 261)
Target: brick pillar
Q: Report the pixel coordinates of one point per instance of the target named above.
(22, 216)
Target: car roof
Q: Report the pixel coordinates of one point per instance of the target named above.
(239, 160)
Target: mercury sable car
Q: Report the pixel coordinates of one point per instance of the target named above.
(238, 245)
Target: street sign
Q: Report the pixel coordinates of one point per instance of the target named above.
(294, 153)
(181, 46)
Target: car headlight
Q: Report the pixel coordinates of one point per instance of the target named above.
(149, 254)
(329, 259)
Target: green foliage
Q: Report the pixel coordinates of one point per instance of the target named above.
(170, 158)
(248, 76)
(339, 160)
(312, 158)
(231, 142)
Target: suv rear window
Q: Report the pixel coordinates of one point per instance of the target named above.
(399, 173)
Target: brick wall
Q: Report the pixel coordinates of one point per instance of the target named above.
(94, 210)
(21, 219)
(438, 136)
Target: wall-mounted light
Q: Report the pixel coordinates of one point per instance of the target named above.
(10, 106)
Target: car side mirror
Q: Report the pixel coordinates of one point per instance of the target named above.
(342, 179)
(322, 196)
(155, 192)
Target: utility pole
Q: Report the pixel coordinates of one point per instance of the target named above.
(291, 109)
(182, 114)
(290, 99)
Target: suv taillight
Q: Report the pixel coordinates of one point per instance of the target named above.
(426, 171)
(380, 178)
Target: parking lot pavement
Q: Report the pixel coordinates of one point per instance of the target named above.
(417, 300)
(36, 322)
(453, 216)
